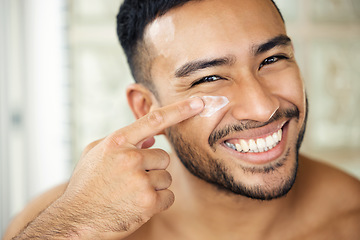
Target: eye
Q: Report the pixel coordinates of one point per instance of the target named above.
(272, 59)
(211, 78)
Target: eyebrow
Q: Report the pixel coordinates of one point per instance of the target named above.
(281, 40)
(191, 67)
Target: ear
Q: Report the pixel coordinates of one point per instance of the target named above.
(140, 99)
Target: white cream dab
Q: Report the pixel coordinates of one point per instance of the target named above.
(213, 104)
(161, 32)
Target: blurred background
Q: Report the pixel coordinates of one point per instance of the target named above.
(63, 75)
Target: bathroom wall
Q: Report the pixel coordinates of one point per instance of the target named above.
(34, 102)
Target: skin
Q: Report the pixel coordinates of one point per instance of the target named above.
(120, 188)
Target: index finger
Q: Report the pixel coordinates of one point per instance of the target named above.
(158, 120)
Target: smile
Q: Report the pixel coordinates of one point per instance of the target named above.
(257, 145)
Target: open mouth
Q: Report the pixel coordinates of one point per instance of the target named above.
(256, 145)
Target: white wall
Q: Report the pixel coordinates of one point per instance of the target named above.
(34, 110)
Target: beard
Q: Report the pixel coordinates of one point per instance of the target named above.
(214, 171)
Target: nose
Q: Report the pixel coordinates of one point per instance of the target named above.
(252, 100)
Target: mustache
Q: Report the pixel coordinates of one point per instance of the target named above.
(250, 124)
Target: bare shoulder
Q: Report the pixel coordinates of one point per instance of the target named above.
(33, 209)
(345, 225)
(329, 181)
(328, 184)
(333, 198)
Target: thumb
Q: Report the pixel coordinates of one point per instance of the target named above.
(147, 143)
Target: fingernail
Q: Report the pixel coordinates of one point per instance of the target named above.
(196, 103)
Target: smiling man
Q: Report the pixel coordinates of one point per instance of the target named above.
(220, 81)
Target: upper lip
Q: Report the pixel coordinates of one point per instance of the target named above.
(257, 132)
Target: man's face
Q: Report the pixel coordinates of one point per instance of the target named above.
(237, 49)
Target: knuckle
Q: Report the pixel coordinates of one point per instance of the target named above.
(132, 158)
(167, 200)
(142, 181)
(163, 154)
(163, 157)
(168, 177)
(171, 199)
(148, 199)
(89, 147)
(164, 181)
(166, 159)
(181, 109)
(156, 118)
(135, 155)
(120, 139)
(115, 140)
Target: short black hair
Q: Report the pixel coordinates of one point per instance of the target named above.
(132, 19)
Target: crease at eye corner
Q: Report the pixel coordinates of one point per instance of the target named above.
(213, 104)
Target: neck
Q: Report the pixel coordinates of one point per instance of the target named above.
(200, 205)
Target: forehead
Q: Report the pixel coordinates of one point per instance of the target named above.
(208, 28)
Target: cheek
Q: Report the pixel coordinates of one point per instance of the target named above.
(289, 86)
(196, 130)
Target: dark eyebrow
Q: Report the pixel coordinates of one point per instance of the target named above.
(281, 40)
(191, 67)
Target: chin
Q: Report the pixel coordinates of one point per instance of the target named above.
(262, 183)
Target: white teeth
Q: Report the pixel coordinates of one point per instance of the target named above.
(261, 144)
(230, 145)
(238, 147)
(276, 137)
(269, 141)
(257, 145)
(252, 145)
(280, 134)
(244, 145)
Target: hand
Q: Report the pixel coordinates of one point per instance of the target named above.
(119, 184)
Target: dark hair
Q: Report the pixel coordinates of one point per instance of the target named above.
(132, 19)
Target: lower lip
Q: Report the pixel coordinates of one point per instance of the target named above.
(263, 157)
